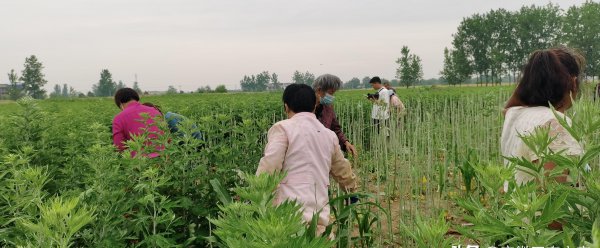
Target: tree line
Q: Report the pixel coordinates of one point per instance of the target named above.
(495, 45)
(409, 73)
(32, 82)
(106, 86)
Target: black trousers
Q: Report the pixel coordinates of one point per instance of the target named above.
(378, 125)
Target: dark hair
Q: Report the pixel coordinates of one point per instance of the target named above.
(375, 80)
(300, 98)
(153, 106)
(548, 78)
(125, 95)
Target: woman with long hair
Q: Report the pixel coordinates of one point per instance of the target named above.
(551, 79)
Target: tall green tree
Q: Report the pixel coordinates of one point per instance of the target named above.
(73, 93)
(500, 27)
(275, 82)
(248, 83)
(416, 69)
(262, 81)
(137, 88)
(121, 85)
(303, 78)
(353, 83)
(14, 90)
(462, 65)
(106, 86)
(33, 78)
(309, 78)
(65, 91)
(410, 69)
(57, 92)
(539, 27)
(221, 89)
(366, 82)
(477, 44)
(171, 90)
(403, 72)
(461, 56)
(449, 73)
(513, 57)
(582, 31)
(298, 77)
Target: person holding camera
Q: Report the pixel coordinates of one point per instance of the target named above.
(325, 86)
(381, 103)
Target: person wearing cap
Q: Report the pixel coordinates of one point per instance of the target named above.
(325, 86)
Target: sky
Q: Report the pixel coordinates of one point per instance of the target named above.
(193, 43)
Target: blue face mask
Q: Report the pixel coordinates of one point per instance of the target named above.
(327, 99)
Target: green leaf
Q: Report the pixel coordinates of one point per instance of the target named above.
(221, 192)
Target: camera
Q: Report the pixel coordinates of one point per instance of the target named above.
(373, 96)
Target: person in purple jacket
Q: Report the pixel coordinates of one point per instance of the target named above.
(325, 87)
(131, 121)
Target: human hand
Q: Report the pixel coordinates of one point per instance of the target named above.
(351, 149)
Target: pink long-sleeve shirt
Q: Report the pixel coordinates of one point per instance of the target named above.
(309, 153)
(130, 122)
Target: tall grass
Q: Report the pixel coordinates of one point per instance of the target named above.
(414, 172)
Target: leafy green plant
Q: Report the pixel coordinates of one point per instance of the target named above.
(429, 233)
(254, 220)
(468, 171)
(22, 191)
(360, 215)
(542, 212)
(59, 221)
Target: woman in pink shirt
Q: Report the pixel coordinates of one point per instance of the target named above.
(132, 121)
(309, 153)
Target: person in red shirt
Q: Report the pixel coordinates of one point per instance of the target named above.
(131, 121)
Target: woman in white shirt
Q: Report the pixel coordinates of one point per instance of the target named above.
(550, 78)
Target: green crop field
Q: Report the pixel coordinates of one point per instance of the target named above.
(62, 184)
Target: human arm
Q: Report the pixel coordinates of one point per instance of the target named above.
(118, 131)
(275, 150)
(337, 129)
(341, 171)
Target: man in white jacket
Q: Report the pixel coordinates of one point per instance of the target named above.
(381, 104)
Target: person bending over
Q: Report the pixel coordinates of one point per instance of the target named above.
(131, 121)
